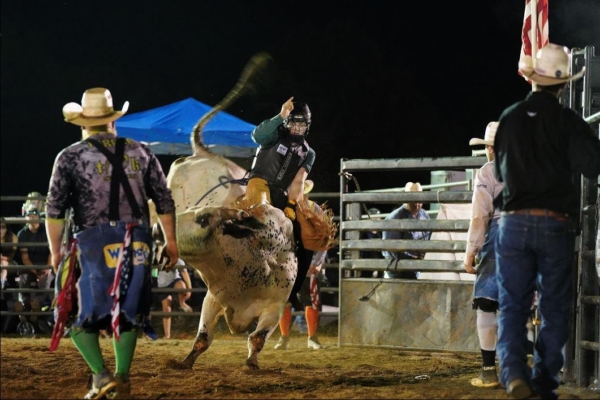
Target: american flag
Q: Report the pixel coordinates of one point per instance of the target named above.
(532, 43)
(120, 282)
(67, 295)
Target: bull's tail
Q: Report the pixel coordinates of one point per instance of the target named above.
(257, 63)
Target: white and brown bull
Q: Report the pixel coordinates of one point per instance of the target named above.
(246, 259)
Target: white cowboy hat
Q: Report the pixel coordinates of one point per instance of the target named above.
(308, 186)
(96, 109)
(490, 134)
(552, 66)
(413, 187)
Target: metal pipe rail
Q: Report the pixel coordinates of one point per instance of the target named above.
(401, 197)
(590, 345)
(24, 268)
(414, 164)
(397, 245)
(448, 225)
(425, 187)
(365, 264)
(592, 118)
(590, 300)
(24, 244)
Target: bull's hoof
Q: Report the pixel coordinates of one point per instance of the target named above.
(175, 364)
(251, 367)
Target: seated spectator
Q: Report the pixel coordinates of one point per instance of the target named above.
(35, 232)
(409, 210)
(34, 200)
(7, 253)
(177, 279)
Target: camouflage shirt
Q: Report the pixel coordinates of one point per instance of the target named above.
(81, 179)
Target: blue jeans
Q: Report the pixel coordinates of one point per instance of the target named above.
(486, 283)
(533, 252)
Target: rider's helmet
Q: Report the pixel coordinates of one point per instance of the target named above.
(299, 115)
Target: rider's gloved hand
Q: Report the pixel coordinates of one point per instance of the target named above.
(289, 210)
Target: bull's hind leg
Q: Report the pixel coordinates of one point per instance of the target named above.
(267, 323)
(211, 310)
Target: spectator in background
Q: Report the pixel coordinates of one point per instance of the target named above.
(480, 259)
(409, 210)
(34, 200)
(8, 253)
(34, 232)
(177, 280)
(301, 297)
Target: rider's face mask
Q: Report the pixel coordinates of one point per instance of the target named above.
(297, 127)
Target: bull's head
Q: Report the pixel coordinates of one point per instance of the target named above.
(204, 229)
(218, 239)
(236, 223)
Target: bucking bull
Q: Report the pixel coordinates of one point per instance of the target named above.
(245, 256)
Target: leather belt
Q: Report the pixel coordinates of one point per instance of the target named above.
(540, 212)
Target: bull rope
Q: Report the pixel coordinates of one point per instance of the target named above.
(243, 182)
(348, 175)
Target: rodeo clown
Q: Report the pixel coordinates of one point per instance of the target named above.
(306, 299)
(104, 275)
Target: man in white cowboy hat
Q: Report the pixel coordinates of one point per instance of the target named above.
(540, 145)
(480, 259)
(408, 210)
(107, 181)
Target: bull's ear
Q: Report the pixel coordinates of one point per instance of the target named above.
(203, 219)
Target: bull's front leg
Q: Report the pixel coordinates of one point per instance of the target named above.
(267, 323)
(211, 310)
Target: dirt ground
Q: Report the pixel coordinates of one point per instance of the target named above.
(30, 371)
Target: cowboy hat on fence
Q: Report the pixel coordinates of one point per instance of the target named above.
(552, 66)
(96, 109)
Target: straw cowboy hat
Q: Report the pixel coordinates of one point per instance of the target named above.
(96, 109)
(308, 186)
(490, 134)
(413, 187)
(552, 67)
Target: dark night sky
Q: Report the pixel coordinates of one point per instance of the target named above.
(384, 79)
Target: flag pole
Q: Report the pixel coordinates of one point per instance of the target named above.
(533, 37)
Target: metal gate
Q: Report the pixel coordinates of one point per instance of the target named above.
(415, 314)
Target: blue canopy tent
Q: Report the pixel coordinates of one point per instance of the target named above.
(167, 130)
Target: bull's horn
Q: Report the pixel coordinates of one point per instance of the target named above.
(232, 213)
